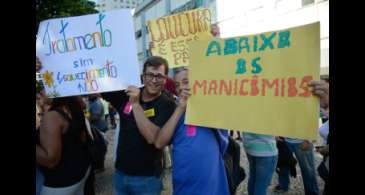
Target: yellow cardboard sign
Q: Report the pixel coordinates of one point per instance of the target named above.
(170, 35)
(149, 113)
(257, 83)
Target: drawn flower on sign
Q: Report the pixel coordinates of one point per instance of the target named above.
(48, 78)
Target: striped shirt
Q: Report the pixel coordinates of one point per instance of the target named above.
(259, 145)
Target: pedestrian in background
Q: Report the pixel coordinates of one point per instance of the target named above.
(262, 155)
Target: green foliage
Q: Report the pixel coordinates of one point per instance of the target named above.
(47, 9)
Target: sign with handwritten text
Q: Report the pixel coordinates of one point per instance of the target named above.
(257, 83)
(88, 54)
(170, 35)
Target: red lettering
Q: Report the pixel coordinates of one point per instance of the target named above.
(292, 90)
(254, 88)
(304, 86)
(54, 46)
(235, 87)
(203, 85)
(213, 87)
(243, 93)
(266, 83)
(223, 84)
(282, 87)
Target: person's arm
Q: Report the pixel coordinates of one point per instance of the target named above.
(145, 126)
(147, 129)
(164, 136)
(48, 153)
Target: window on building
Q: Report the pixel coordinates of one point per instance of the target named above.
(138, 33)
(307, 2)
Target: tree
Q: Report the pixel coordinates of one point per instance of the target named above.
(47, 9)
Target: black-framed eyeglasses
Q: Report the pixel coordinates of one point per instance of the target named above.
(158, 77)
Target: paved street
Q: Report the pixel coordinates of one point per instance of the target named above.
(104, 184)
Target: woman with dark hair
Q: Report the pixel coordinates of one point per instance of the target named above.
(62, 150)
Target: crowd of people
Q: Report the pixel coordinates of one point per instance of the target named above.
(151, 118)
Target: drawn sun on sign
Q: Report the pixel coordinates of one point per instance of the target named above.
(48, 78)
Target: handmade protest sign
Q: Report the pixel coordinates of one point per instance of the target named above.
(170, 35)
(88, 54)
(257, 83)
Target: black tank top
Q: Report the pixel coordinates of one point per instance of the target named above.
(74, 162)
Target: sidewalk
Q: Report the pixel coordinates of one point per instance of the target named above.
(104, 180)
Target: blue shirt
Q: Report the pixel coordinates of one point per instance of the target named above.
(198, 166)
(97, 108)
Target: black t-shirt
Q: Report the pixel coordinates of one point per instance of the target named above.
(135, 156)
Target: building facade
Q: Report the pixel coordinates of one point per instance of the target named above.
(240, 17)
(246, 17)
(106, 5)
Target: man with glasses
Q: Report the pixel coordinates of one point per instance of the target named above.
(143, 112)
